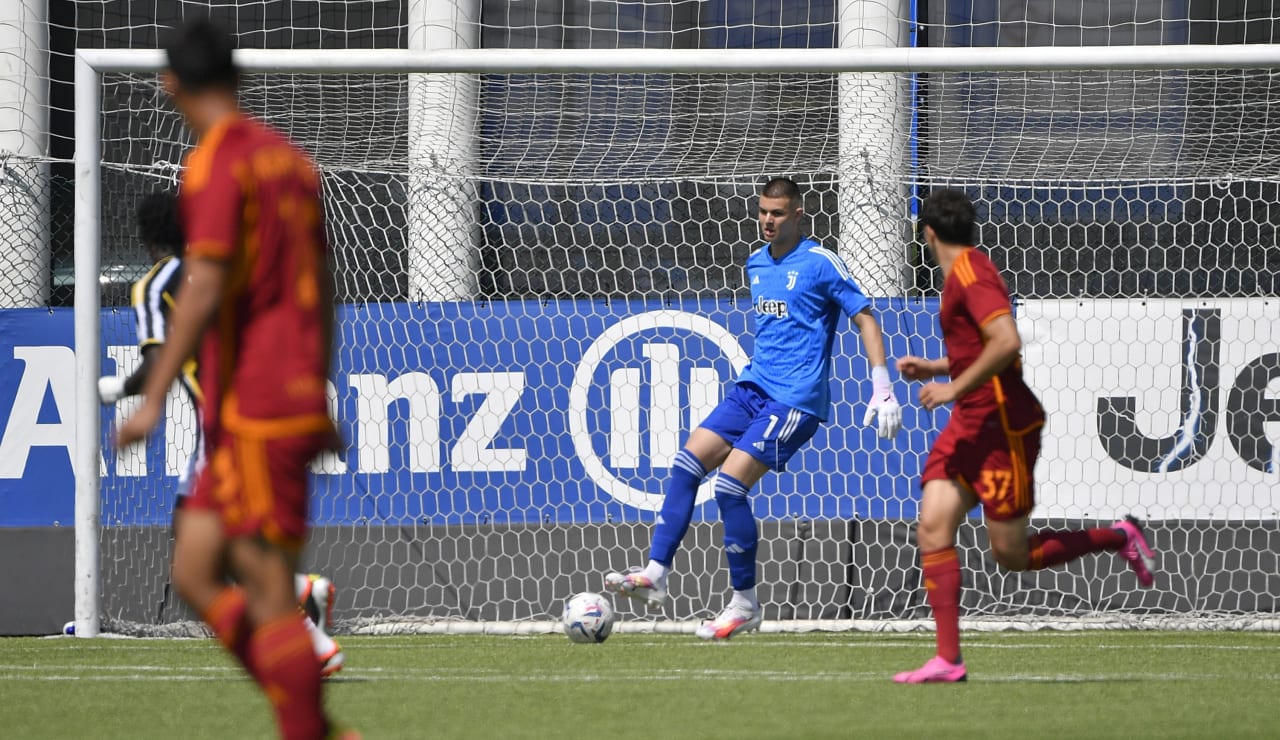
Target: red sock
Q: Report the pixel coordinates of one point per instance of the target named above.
(1047, 549)
(290, 677)
(942, 587)
(226, 617)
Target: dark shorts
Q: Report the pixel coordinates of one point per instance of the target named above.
(259, 486)
(769, 431)
(993, 460)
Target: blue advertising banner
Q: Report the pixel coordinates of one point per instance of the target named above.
(475, 412)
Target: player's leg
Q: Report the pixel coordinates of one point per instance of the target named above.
(200, 579)
(704, 451)
(943, 506)
(1008, 500)
(316, 595)
(265, 538)
(315, 598)
(772, 438)
(743, 613)
(199, 560)
(280, 646)
(707, 447)
(1014, 549)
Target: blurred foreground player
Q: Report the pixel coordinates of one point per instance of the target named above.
(152, 297)
(257, 300)
(987, 452)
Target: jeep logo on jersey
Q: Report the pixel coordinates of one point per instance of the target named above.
(639, 387)
(771, 307)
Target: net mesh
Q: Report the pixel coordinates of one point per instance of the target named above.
(558, 206)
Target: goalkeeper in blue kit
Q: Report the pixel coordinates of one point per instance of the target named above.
(799, 290)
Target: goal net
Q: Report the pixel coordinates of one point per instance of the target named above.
(542, 292)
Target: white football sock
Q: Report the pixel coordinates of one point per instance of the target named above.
(657, 572)
(301, 584)
(746, 598)
(320, 642)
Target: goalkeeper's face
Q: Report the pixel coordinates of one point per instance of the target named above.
(779, 220)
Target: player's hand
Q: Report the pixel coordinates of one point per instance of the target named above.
(934, 395)
(915, 368)
(890, 413)
(137, 427)
(110, 389)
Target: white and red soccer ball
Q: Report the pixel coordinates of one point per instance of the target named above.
(588, 617)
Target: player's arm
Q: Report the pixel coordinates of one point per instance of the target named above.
(882, 401)
(204, 282)
(844, 291)
(872, 337)
(919, 368)
(1000, 346)
(112, 388)
(149, 309)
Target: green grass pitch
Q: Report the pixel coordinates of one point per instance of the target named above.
(1023, 685)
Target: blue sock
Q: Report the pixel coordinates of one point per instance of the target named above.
(740, 534)
(677, 507)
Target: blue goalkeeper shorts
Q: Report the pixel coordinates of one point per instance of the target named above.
(765, 429)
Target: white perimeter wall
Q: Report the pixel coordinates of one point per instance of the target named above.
(1076, 352)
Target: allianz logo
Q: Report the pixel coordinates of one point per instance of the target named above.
(48, 377)
(627, 439)
(43, 409)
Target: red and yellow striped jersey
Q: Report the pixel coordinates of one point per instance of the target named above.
(251, 199)
(973, 295)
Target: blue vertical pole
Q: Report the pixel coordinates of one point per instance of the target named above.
(914, 163)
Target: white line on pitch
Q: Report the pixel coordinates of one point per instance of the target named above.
(967, 644)
(427, 676)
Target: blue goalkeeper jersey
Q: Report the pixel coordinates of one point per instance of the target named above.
(798, 301)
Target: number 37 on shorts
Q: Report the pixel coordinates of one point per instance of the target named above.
(996, 464)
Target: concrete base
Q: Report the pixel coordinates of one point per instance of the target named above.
(823, 570)
(37, 573)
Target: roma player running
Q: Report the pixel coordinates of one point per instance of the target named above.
(987, 452)
(799, 290)
(257, 299)
(152, 298)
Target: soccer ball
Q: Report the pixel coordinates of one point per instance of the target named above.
(588, 617)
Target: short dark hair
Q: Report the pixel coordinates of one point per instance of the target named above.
(200, 56)
(159, 225)
(781, 187)
(951, 215)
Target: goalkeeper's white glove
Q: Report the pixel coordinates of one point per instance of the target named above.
(111, 388)
(883, 403)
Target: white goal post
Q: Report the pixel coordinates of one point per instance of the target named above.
(461, 532)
